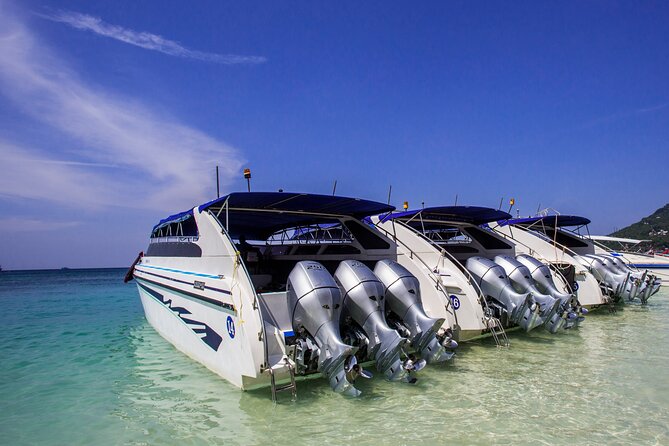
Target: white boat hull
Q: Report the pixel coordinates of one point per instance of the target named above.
(195, 329)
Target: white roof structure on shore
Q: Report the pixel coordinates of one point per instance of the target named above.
(608, 238)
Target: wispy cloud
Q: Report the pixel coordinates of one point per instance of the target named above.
(26, 175)
(76, 163)
(626, 114)
(27, 224)
(653, 108)
(162, 162)
(144, 39)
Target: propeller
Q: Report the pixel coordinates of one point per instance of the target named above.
(413, 364)
(450, 343)
(354, 370)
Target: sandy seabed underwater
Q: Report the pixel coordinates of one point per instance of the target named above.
(79, 364)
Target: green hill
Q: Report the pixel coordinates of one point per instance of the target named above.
(655, 227)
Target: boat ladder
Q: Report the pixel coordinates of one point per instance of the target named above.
(497, 331)
(282, 388)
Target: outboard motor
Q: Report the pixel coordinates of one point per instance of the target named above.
(649, 283)
(654, 286)
(364, 303)
(622, 285)
(314, 300)
(637, 280)
(612, 264)
(543, 278)
(402, 293)
(522, 281)
(653, 282)
(608, 282)
(520, 308)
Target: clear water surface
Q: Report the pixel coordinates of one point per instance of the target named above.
(79, 364)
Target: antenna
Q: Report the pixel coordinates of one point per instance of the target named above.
(501, 200)
(538, 208)
(456, 200)
(390, 190)
(218, 188)
(334, 188)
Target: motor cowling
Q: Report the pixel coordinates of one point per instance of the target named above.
(543, 278)
(314, 301)
(647, 283)
(402, 294)
(614, 264)
(363, 302)
(521, 278)
(622, 285)
(651, 284)
(493, 281)
(637, 281)
(605, 278)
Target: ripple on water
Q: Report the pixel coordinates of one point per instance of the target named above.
(91, 370)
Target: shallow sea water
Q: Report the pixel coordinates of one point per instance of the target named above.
(79, 364)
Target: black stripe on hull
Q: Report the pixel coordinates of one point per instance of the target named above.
(186, 283)
(217, 303)
(211, 338)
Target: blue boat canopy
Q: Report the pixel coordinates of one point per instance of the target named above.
(474, 215)
(553, 221)
(257, 215)
(176, 218)
(300, 202)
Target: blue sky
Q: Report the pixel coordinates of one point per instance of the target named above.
(113, 115)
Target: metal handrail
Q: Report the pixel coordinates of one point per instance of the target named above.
(622, 254)
(256, 305)
(534, 254)
(470, 279)
(436, 280)
(493, 323)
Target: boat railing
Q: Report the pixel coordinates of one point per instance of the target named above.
(492, 323)
(543, 236)
(621, 254)
(175, 238)
(312, 234)
(272, 242)
(256, 306)
(531, 250)
(537, 255)
(436, 280)
(444, 253)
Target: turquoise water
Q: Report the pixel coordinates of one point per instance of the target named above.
(80, 365)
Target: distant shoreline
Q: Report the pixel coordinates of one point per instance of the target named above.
(64, 269)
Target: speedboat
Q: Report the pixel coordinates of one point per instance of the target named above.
(656, 264)
(264, 288)
(489, 286)
(531, 240)
(617, 281)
